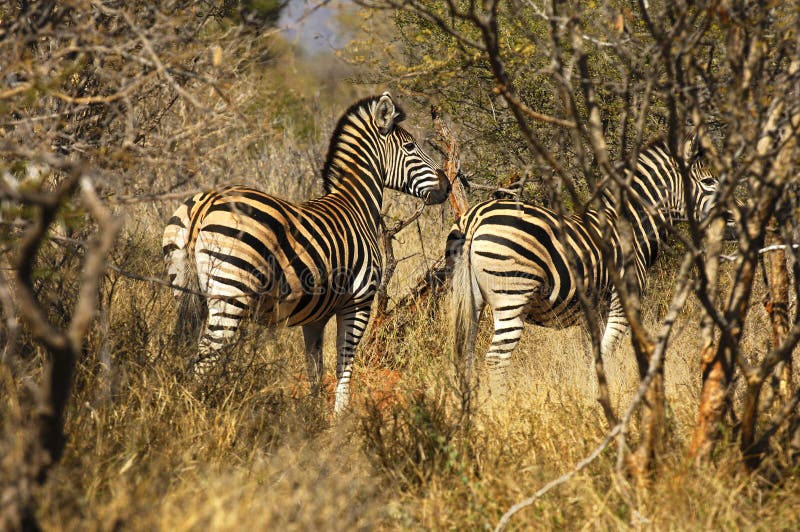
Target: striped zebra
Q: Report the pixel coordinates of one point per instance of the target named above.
(515, 257)
(260, 257)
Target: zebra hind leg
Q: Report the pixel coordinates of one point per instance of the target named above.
(508, 326)
(224, 319)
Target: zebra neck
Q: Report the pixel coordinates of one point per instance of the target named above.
(361, 193)
(648, 227)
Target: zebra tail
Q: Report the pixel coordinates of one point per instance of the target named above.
(465, 325)
(182, 271)
(463, 300)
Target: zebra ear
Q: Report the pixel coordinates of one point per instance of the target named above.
(385, 114)
(692, 150)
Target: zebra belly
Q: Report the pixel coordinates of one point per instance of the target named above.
(545, 312)
(557, 314)
(310, 298)
(293, 310)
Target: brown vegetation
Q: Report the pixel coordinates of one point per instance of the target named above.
(111, 114)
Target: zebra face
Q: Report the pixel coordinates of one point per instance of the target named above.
(408, 168)
(419, 175)
(703, 182)
(705, 185)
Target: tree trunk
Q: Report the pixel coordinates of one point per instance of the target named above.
(651, 420)
(717, 371)
(777, 306)
(452, 162)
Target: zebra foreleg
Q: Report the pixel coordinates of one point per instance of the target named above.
(616, 326)
(351, 324)
(313, 336)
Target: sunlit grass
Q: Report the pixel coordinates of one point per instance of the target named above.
(145, 452)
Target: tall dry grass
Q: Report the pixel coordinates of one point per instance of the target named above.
(146, 453)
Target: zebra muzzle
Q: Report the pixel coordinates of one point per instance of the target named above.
(435, 197)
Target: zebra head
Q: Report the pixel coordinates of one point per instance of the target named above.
(703, 182)
(658, 182)
(407, 167)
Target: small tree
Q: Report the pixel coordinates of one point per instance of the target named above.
(33, 436)
(96, 100)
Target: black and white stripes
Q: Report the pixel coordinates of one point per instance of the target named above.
(258, 256)
(515, 257)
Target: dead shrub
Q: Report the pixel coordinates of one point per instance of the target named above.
(414, 440)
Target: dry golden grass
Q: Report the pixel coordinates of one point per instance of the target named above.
(145, 453)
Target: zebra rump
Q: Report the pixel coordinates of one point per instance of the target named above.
(182, 272)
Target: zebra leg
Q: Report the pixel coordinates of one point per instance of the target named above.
(313, 336)
(616, 326)
(508, 326)
(351, 324)
(224, 317)
(598, 387)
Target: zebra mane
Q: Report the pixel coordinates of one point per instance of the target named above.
(658, 142)
(364, 103)
(683, 139)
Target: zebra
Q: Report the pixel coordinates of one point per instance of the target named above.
(516, 257)
(256, 256)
